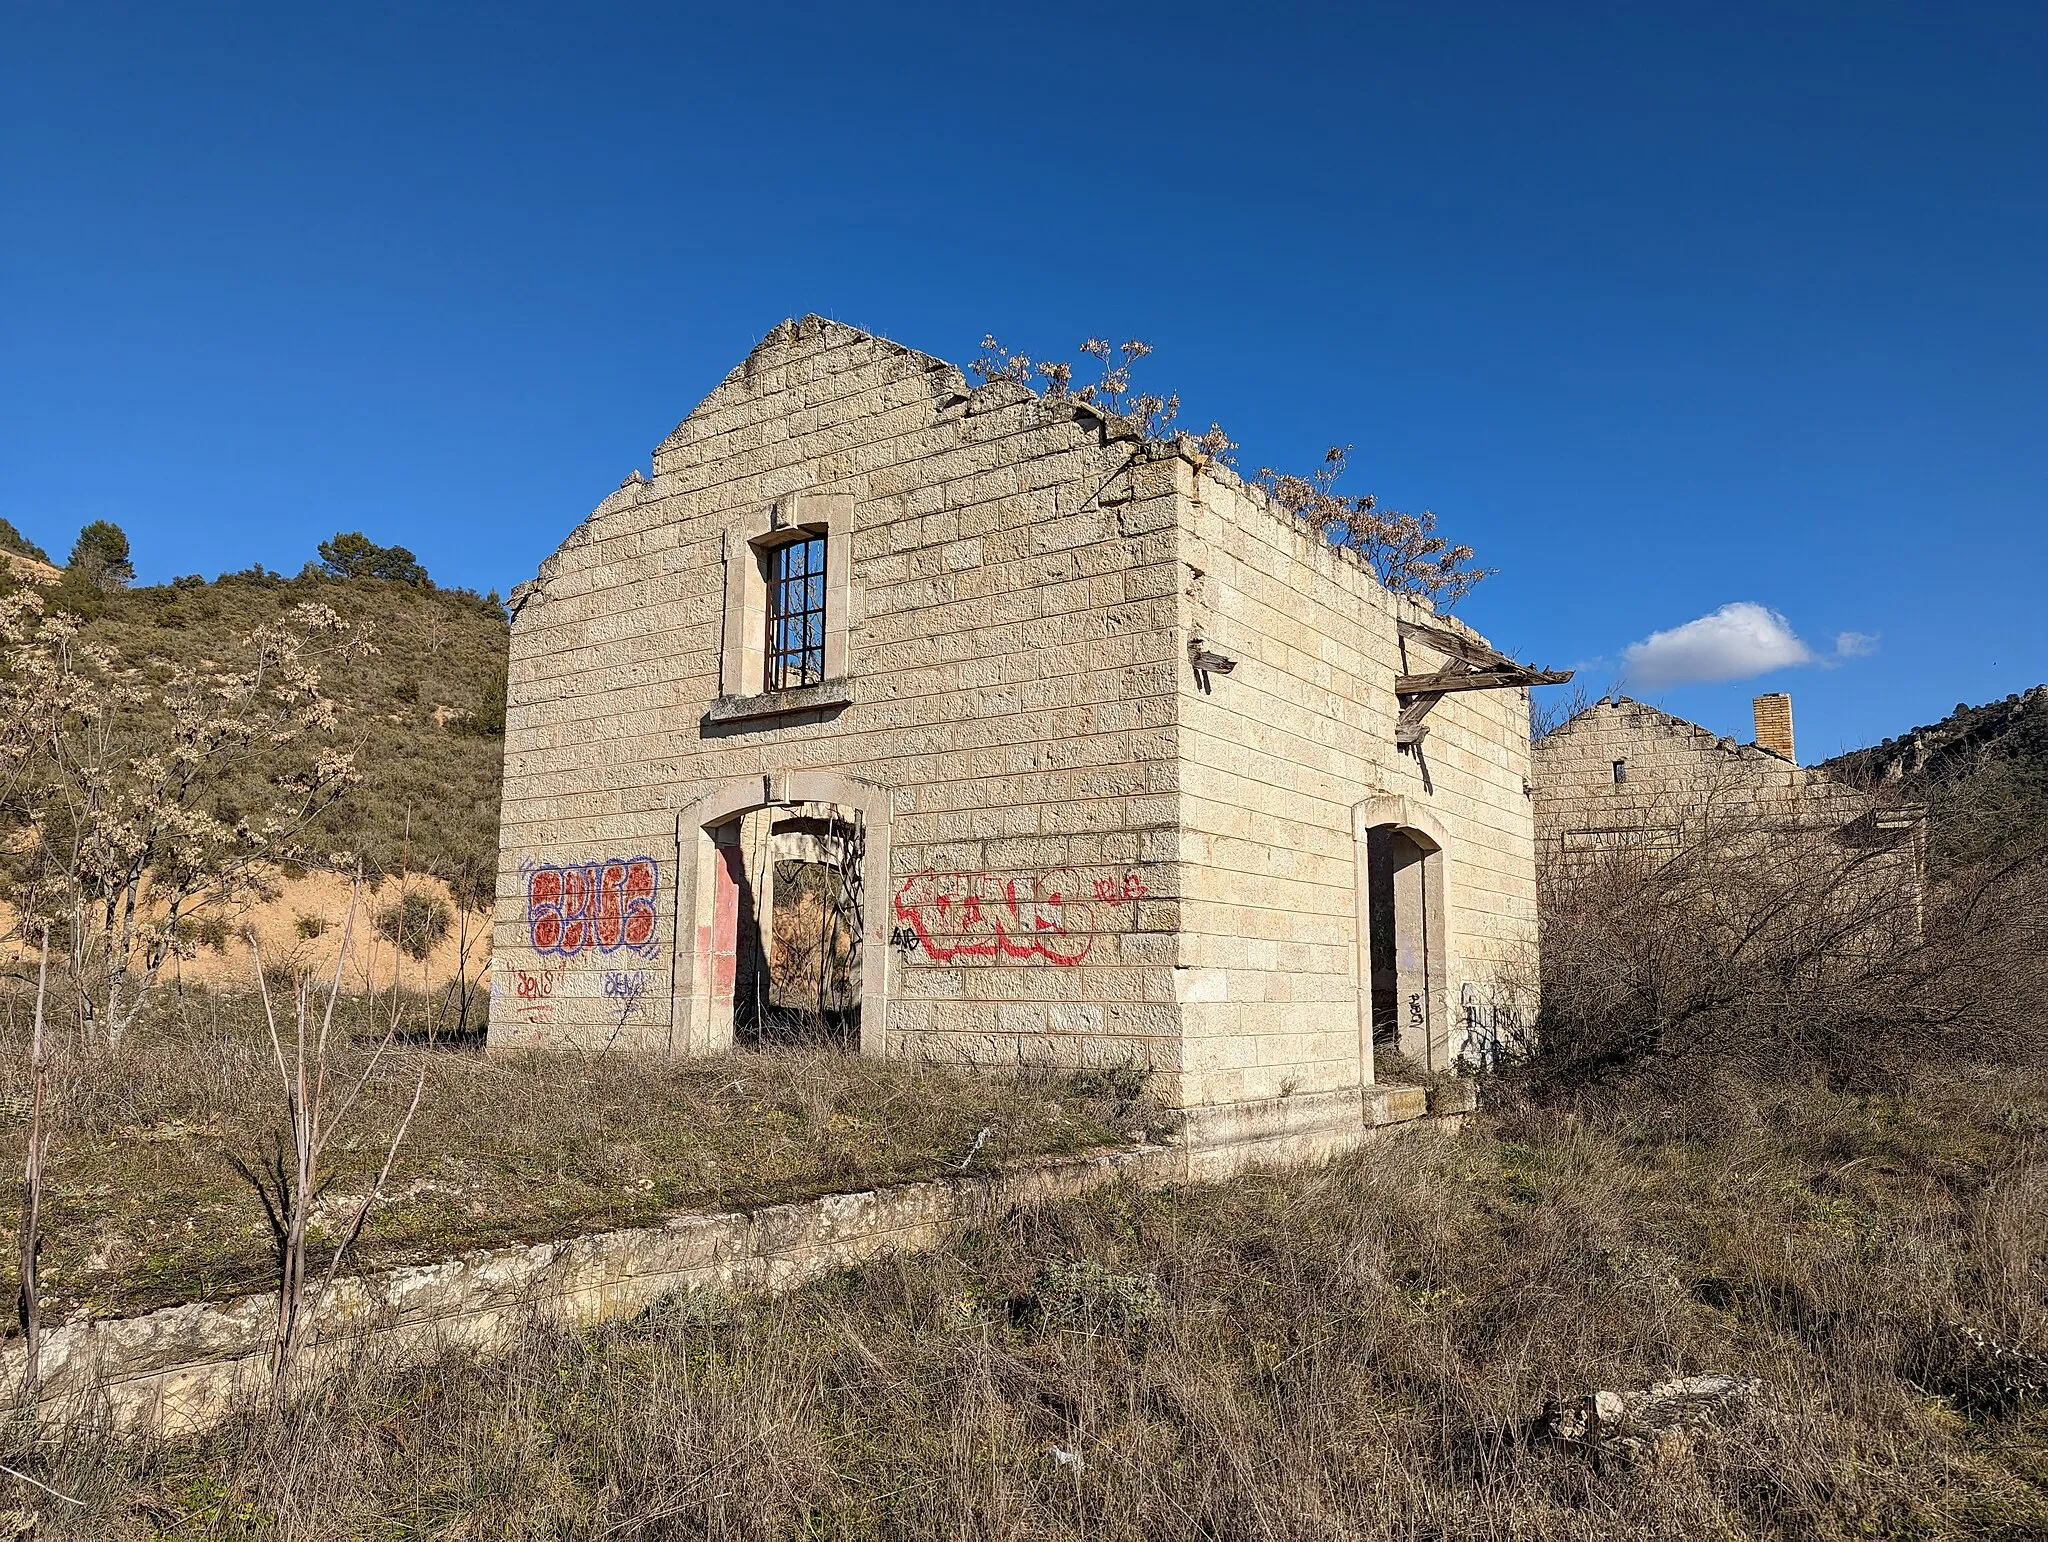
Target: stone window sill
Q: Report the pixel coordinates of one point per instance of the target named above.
(826, 696)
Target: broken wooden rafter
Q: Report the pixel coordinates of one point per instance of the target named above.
(1451, 644)
(1477, 680)
(1478, 668)
(1408, 728)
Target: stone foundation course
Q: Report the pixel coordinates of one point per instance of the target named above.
(184, 1368)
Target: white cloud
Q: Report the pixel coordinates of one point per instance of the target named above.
(1855, 645)
(1732, 643)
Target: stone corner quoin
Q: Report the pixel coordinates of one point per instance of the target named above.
(996, 811)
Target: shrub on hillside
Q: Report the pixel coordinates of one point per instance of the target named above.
(417, 923)
(428, 798)
(13, 540)
(487, 719)
(351, 554)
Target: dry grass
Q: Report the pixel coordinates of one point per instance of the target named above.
(1354, 1351)
(148, 1203)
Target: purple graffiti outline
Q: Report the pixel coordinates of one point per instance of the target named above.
(567, 904)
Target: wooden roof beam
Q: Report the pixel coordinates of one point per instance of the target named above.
(1494, 679)
(1452, 645)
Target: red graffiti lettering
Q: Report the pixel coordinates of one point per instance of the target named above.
(607, 905)
(1048, 918)
(532, 990)
(1116, 891)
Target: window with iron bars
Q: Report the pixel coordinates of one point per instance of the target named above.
(796, 614)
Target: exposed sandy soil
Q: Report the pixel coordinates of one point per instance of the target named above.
(318, 903)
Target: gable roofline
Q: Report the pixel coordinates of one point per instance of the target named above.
(1114, 426)
(990, 396)
(794, 329)
(1671, 723)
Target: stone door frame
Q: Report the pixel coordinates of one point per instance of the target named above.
(694, 1028)
(1419, 824)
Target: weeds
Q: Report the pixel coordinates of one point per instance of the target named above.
(1404, 551)
(1358, 1350)
(146, 1205)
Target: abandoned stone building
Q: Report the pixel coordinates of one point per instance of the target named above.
(1624, 780)
(970, 722)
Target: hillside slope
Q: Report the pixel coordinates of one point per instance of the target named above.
(424, 714)
(1982, 771)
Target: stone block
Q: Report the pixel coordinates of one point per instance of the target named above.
(1397, 1105)
(1459, 1095)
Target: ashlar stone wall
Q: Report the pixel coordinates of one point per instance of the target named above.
(1676, 778)
(1012, 656)
(1279, 758)
(1076, 847)
(1623, 780)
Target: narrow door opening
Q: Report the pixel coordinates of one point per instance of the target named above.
(786, 925)
(1404, 937)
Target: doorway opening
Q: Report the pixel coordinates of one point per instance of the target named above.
(787, 930)
(1404, 952)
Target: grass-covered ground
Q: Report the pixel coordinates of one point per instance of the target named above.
(1352, 1351)
(148, 1202)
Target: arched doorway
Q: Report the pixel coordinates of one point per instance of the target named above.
(1402, 958)
(784, 938)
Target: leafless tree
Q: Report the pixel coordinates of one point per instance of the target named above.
(32, 1186)
(150, 790)
(313, 1117)
(1548, 714)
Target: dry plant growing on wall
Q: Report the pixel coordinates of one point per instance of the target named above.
(1404, 551)
(1111, 390)
(146, 791)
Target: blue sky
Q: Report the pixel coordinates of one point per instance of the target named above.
(1665, 309)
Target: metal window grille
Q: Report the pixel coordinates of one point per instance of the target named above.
(796, 614)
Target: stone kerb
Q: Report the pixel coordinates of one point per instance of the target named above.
(185, 1368)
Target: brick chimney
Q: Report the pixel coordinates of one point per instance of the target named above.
(1774, 724)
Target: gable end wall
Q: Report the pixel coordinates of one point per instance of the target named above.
(1014, 657)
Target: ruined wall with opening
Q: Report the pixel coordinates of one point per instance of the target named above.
(1675, 779)
(1623, 784)
(1275, 758)
(1010, 670)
